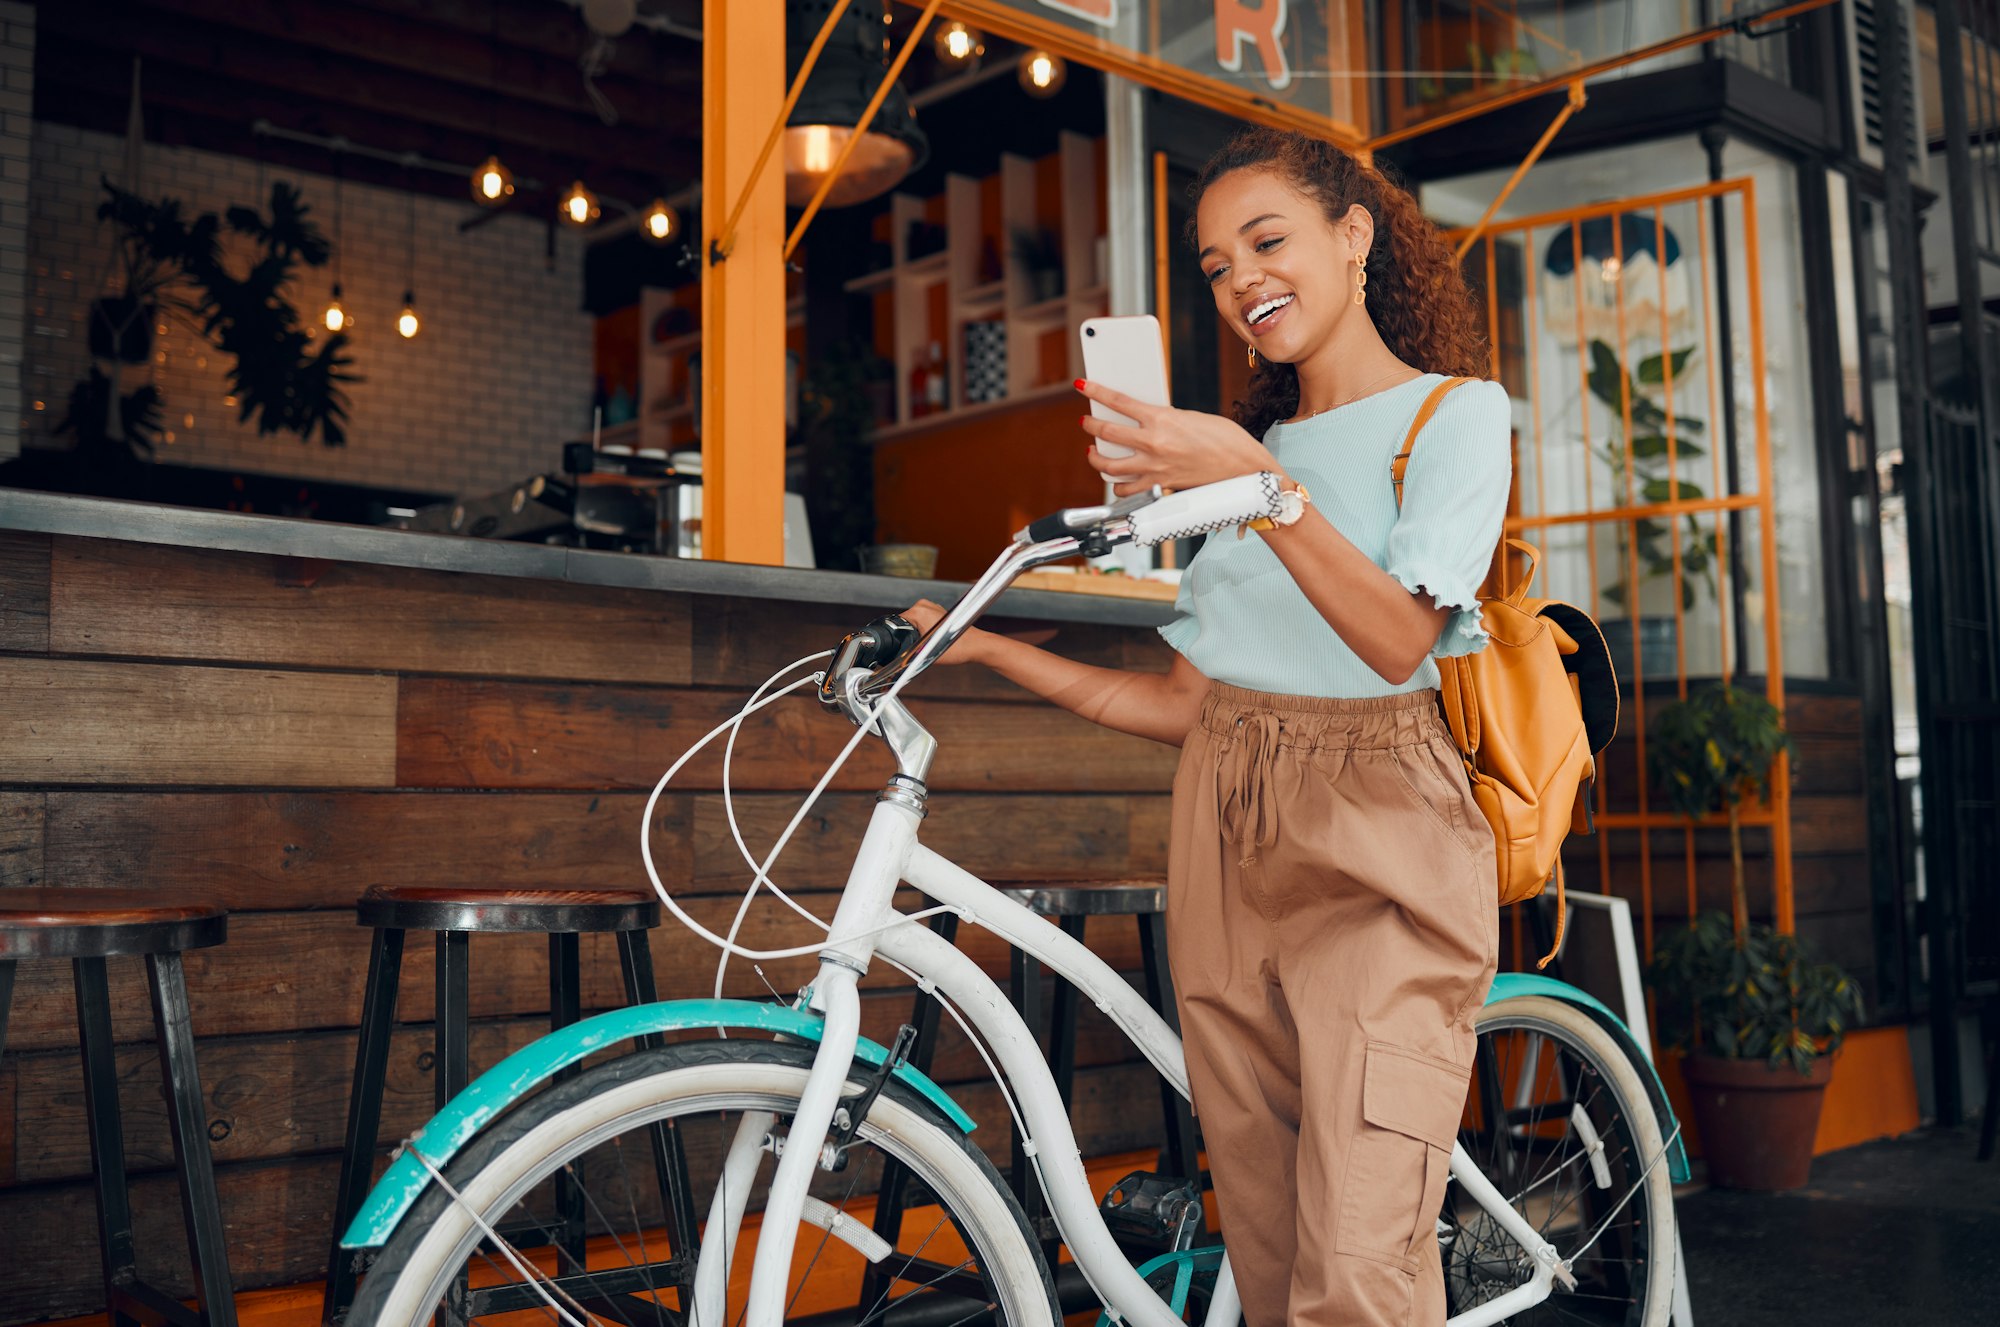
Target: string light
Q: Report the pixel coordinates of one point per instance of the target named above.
(1042, 73)
(958, 46)
(579, 205)
(661, 223)
(492, 183)
(408, 324)
(336, 317)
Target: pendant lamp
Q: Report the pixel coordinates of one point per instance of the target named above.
(850, 67)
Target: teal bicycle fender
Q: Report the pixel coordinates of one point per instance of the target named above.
(507, 1082)
(1506, 985)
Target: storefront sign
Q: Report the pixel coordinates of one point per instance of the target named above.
(1289, 61)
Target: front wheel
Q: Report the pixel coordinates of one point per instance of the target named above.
(593, 1169)
(1561, 1122)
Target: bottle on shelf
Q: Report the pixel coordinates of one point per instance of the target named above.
(937, 381)
(920, 388)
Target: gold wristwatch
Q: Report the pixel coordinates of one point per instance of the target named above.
(1291, 505)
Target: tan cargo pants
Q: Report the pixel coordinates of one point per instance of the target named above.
(1332, 927)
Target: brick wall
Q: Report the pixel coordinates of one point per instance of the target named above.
(17, 91)
(498, 378)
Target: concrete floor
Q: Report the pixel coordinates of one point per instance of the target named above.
(1899, 1233)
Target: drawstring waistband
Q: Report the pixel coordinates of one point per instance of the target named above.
(1254, 726)
(1249, 813)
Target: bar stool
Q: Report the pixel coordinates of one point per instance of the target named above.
(454, 914)
(87, 926)
(1072, 903)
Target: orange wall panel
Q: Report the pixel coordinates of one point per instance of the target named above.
(967, 487)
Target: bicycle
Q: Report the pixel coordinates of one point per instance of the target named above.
(1559, 1205)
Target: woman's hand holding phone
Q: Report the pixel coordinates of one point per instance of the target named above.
(1172, 448)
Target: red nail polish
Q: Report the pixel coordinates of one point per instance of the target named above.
(1079, 384)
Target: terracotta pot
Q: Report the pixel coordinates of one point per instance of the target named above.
(1756, 1122)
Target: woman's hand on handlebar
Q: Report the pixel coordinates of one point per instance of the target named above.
(924, 615)
(1172, 448)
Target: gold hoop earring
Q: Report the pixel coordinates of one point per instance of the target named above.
(1252, 350)
(1360, 278)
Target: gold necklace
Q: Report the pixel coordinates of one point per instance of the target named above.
(1356, 396)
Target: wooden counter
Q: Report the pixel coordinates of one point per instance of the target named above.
(279, 714)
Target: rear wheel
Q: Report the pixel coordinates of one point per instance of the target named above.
(1561, 1122)
(583, 1167)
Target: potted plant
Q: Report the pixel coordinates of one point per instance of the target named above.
(1758, 1016)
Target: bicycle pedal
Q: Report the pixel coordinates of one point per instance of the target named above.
(1155, 1211)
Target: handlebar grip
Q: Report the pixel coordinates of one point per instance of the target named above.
(884, 639)
(1210, 507)
(1048, 527)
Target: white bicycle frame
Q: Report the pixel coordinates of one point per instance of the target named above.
(863, 925)
(866, 923)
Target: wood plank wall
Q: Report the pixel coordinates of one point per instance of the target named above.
(279, 735)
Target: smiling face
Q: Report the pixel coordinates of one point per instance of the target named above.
(1281, 272)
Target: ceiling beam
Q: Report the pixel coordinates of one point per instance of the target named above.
(296, 73)
(547, 77)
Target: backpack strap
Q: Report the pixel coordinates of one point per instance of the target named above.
(1424, 413)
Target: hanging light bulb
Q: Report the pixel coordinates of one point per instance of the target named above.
(661, 223)
(407, 324)
(958, 46)
(1042, 73)
(492, 183)
(846, 78)
(336, 317)
(579, 205)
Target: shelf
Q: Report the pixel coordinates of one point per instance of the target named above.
(966, 414)
(673, 345)
(990, 293)
(1096, 292)
(1049, 310)
(931, 264)
(867, 281)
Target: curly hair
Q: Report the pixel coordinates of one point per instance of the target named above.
(1417, 295)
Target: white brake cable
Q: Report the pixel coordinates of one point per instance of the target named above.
(728, 945)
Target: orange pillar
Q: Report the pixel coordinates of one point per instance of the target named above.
(742, 297)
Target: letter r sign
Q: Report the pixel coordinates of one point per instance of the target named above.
(1238, 23)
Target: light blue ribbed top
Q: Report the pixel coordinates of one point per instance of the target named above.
(1243, 620)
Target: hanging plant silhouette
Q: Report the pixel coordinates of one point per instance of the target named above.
(177, 267)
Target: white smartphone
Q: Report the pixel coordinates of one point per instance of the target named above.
(1126, 355)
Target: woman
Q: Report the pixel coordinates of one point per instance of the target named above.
(1331, 916)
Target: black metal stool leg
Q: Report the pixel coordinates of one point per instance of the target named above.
(364, 1115)
(669, 1161)
(452, 1034)
(889, 1204)
(1062, 1023)
(454, 1016)
(6, 998)
(1025, 976)
(1182, 1154)
(565, 1007)
(107, 1136)
(187, 1120)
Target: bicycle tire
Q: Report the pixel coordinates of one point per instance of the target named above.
(542, 1136)
(1621, 1111)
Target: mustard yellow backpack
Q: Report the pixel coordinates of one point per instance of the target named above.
(1529, 714)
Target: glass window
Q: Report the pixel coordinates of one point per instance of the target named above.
(1631, 341)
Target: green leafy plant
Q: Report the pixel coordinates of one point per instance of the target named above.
(1744, 990)
(837, 413)
(1652, 478)
(174, 266)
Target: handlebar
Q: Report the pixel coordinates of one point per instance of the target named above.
(888, 651)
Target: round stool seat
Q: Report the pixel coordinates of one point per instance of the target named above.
(1132, 896)
(549, 911)
(101, 923)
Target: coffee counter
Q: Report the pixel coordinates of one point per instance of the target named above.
(278, 714)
